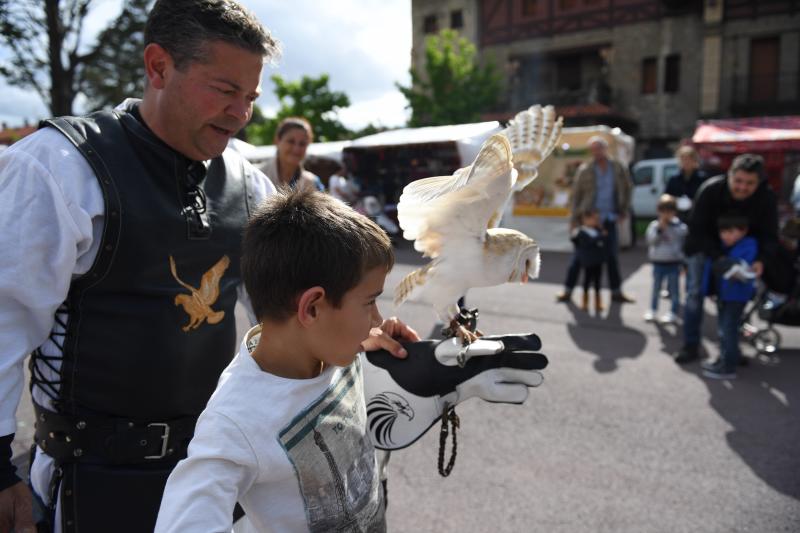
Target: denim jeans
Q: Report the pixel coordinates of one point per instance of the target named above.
(670, 273)
(693, 310)
(729, 316)
(614, 281)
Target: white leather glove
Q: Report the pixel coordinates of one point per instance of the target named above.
(405, 397)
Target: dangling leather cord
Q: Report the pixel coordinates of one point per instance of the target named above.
(448, 415)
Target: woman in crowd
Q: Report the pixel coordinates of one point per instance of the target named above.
(286, 170)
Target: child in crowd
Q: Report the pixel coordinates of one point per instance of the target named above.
(284, 434)
(732, 279)
(591, 248)
(665, 237)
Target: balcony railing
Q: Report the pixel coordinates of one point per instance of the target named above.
(765, 95)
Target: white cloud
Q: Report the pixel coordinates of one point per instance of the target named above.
(364, 45)
(385, 110)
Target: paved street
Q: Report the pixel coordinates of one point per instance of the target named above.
(617, 439)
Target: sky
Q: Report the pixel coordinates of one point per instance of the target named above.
(364, 45)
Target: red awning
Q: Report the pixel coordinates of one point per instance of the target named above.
(742, 135)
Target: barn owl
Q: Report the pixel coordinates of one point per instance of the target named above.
(447, 217)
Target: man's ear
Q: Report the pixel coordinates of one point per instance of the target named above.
(310, 305)
(157, 64)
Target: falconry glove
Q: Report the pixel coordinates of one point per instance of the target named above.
(405, 397)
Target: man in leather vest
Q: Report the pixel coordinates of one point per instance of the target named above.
(120, 234)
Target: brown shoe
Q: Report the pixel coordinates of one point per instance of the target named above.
(564, 297)
(622, 298)
(585, 301)
(598, 303)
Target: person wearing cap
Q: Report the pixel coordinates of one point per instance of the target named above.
(603, 184)
(744, 190)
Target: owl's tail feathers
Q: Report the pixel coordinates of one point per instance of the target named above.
(409, 283)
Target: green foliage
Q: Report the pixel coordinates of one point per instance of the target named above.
(310, 98)
(117, 69)
(47, 53)
(454, 88)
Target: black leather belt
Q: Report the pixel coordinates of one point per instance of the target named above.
(111, 440)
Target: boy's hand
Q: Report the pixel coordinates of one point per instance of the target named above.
(384, 337)
(758, 268)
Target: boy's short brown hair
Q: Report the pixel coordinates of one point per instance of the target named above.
(302, 239)
(667, 202)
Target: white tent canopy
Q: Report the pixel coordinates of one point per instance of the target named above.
(468, 137)
(259, 154)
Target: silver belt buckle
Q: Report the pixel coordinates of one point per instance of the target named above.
(164, 440)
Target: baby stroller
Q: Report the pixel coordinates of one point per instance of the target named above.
(777, 301)
(758, 323)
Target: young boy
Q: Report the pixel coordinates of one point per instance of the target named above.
(590, 247)
(733, 281)
(665, 237)
(284, 434)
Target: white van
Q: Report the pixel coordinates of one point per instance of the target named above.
(649, 181)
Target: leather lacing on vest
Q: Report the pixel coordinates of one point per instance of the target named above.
(41, 364)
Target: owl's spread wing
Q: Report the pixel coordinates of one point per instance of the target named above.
(447, 210)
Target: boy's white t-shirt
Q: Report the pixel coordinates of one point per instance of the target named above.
(294, 453)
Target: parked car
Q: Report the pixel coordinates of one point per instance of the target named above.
(649, 181)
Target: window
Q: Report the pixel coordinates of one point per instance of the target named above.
(430, 24)
(568, 73)
(643, 176)
(649, 75)
(764, 67)
(456, 19)
(672, 74)
(529, 7)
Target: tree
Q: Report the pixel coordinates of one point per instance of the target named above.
(48, 55)
(117, 70)
(454, 89)
(310, 98)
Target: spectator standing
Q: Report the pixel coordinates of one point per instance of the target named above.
(743, 190)
(732, 279)
(286, 170)
(342, 187)
(603, 184)
(684, 185)
(590, 249)
(665, 238)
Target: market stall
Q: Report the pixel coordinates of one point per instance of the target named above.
(386, 162)
(777, 139)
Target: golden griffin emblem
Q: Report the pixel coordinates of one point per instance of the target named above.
(198, 304)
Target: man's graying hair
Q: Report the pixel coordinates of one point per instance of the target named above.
(184, 28)
(751, 163)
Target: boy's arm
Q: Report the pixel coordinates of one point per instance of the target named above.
(202, 490)
(651, 235)
(388, 336)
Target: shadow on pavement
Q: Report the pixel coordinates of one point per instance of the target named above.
(607, 338)
(762, 407)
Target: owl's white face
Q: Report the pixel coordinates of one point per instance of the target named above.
(527, 266)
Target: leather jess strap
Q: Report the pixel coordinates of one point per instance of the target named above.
(111, 440)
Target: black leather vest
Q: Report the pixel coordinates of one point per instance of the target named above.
(151, 326)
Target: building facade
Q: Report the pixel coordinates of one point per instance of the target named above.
(652, 67)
